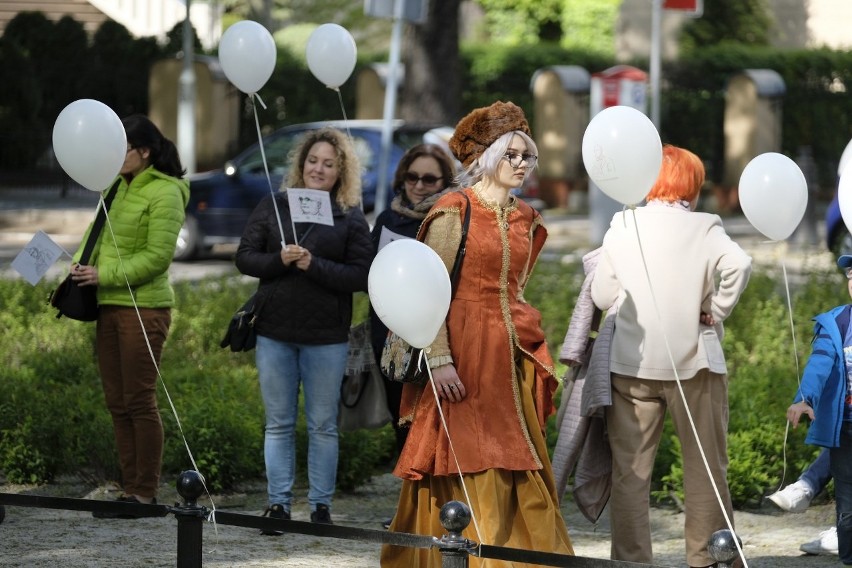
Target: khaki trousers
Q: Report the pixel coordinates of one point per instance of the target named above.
(635, 423)
(129, 379)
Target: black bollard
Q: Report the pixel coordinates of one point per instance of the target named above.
(2, 513)
(722, 548)
(455, 517)
(190, 518)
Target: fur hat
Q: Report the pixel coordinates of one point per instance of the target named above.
(483, 126)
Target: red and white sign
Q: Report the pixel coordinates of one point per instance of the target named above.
(619, 85)
(692, 7)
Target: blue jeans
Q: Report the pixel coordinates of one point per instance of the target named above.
(841, 469)
(281, 368)
(818, 474)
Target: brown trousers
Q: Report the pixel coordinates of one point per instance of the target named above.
(129, 379)
(635, 423)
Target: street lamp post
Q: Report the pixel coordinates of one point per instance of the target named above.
(186, 99)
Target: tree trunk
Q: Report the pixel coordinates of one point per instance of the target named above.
(431, 90)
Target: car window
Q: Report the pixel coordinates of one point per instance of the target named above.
(277, 151)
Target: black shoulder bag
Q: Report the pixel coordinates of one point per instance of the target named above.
(404, 368)
(241, 334)
(81, 302)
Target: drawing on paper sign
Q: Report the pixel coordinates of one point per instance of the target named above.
(310, 206)
(37, 257)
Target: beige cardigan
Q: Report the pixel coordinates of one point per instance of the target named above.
(681, 254)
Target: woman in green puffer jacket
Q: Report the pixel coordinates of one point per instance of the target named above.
(129, 265)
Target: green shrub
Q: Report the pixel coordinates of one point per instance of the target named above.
(53, 419)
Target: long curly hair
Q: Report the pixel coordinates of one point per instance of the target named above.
(347, 190)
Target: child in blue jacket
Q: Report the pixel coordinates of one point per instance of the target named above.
(825, 396)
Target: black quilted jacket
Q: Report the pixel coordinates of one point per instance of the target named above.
(313, 306)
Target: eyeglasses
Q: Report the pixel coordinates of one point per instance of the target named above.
(428, 180)
(515, 160)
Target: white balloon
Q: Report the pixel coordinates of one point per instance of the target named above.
(622, 153)
(247, 54)
(331, 54)
(773, 194)
(90, 143)
(845, 158)
(410, 290)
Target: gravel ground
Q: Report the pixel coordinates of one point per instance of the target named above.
(34, 537)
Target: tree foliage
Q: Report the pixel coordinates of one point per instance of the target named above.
(745, 22)
(522, 21)
(590, 26)
(42, 73)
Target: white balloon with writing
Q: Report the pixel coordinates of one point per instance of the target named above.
(773, 195)
(622, 153)
(90, 143)
(410, 290)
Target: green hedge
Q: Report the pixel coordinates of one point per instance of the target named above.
(53, 420)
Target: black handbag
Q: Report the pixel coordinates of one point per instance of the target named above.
(81, 302)
(401, 362)
(241, 334)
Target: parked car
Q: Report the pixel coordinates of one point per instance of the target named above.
(221, 201)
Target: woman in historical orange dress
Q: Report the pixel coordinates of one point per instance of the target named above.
(490, 363)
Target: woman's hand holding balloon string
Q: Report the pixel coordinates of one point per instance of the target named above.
(291, 254)
(448, 384)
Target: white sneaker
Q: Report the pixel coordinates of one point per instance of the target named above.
(795, 498)
(826, 543)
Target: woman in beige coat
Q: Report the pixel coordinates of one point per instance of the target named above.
(661, 262)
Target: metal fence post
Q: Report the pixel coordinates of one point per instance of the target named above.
(454, 548)
(190, 517)
(722, 547)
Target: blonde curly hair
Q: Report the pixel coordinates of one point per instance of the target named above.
(347, 190)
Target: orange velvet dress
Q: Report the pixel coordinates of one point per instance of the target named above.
(496, 433)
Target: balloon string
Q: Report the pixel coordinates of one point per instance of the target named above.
(682, 394)
(420, 361)
(348, 132)
(798, 380)
(342, 108)
(254, 96)
(157, 367)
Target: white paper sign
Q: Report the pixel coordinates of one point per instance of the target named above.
(310, 206)
(37, 257)
(387, 236)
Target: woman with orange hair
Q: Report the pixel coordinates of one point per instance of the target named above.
(661, 262)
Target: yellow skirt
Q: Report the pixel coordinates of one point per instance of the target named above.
(516, 509)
